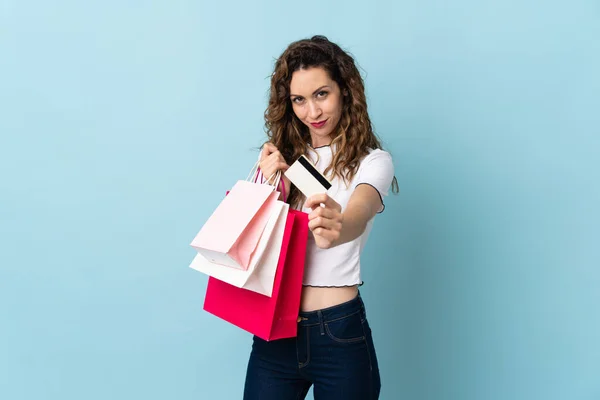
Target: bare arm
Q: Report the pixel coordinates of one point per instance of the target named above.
(331, 227)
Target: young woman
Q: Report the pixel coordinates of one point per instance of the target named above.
(317, 107)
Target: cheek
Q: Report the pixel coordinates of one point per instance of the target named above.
(299, 111)
(335, 108)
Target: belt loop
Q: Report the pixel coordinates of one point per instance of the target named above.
(321, 324)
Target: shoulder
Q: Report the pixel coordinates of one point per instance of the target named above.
(376, 169)
(377, 158)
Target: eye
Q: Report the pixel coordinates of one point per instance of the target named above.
(322, 93)
(298, 100)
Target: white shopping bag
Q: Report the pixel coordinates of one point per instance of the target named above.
(260, 275)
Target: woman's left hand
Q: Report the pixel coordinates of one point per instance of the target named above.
(325, 222)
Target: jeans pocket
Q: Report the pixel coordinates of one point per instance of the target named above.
(346, 330)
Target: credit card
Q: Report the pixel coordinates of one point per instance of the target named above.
(303, 174)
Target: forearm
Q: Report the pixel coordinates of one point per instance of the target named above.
(331, 226)
(362, 207)
(354, 222)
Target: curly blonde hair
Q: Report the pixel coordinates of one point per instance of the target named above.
(354, 134)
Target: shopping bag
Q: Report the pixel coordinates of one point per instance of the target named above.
(260, 275)
(230, 235)
(272, 317)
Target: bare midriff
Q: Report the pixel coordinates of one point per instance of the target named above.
(317, 298)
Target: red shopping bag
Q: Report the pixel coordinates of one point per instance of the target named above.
(272, 317)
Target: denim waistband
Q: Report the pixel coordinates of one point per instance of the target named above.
(310, 318)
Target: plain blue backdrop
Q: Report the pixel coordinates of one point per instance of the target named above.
(122, 124)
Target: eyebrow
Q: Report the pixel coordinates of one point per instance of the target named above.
(315, 92)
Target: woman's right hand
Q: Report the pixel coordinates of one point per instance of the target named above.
(271, 161)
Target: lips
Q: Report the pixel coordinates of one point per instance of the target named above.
(318, 124)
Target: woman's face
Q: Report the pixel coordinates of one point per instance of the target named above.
(317, 102)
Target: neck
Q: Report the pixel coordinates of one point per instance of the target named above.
(320, 142)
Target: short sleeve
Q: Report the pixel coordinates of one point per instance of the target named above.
(376, 170)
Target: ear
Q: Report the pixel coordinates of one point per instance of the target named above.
(345, 92)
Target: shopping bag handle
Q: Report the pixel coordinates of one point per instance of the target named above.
(283, 190)
(256, 171)
(277, 175)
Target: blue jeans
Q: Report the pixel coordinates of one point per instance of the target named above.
(333, 351)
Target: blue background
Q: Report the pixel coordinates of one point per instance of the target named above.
(122, 124)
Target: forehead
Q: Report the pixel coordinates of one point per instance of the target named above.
(306, 81)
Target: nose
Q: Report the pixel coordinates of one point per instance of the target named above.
(314, 111)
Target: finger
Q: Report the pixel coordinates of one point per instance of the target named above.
(267, 169)
(276, 157)
(275, 165)
(325, 223)
(322, 212)
(272, 162)
(269, 148)
(265, 166)
(264, 152)
(329, 235)
(316, 200)
(331, 203)
(271, 167)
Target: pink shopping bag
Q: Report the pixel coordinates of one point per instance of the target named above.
(272, 317)
(232, 232)
(260, 275)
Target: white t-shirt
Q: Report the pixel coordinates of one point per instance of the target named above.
(340, 265)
